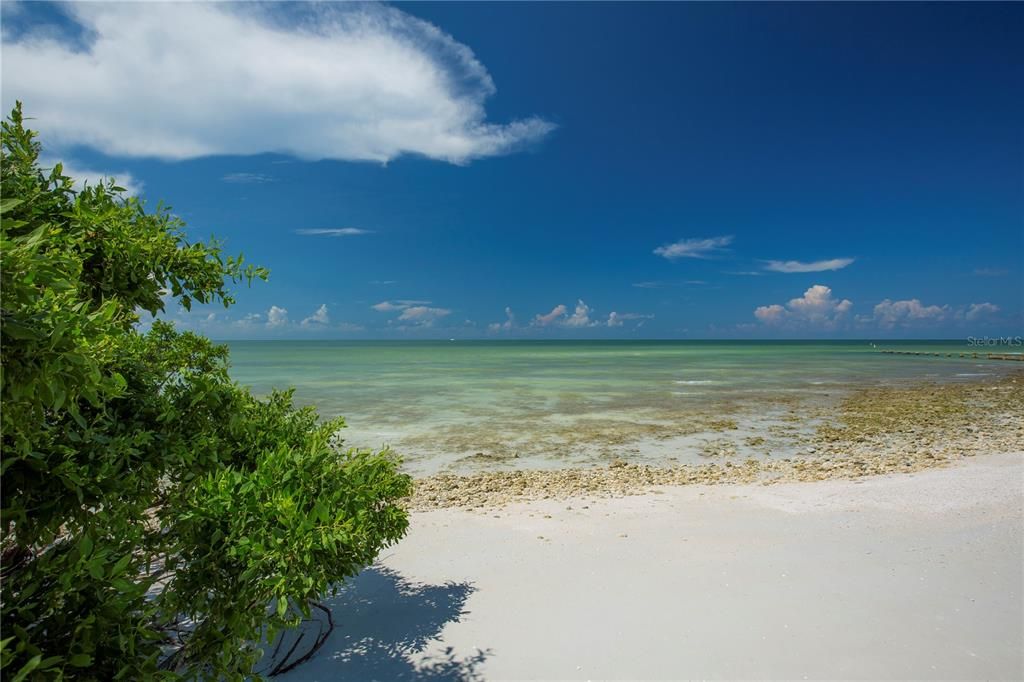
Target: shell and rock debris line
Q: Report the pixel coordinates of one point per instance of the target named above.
(874, 430)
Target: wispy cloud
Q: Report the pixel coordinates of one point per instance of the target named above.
(413, 313)
(706, 247)
(401, 304)
(991, 272)
(617, 319)
(247, 178)
(664, 285)
(791, 266)
(979, 310)
(423, 315)
(334, 232)
(362, 81)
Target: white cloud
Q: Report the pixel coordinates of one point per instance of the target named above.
(277, 317)
(816, 266)
(249, 320)
(616, 319)
(320, 317)
(662, 285)
(423, 315)
(694, 248)
(544, 320)
(413, 312)
(247, 178)
(889, 313)
(391, 306)
(816, 308)
(83, 175)
(977, 310)
(580, 316)
(991, 272)
(770, 314)
(184, 80)
(508, 324)
(334, 232)
(254, 325)
(909, 313)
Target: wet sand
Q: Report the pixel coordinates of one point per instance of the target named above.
(904, 575)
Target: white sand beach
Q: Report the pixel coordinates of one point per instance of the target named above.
(899, 576)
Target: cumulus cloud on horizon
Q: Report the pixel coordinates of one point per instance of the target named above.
(911, 312)
(277, 317)
(819, 309)
(318, 318)
(544, 320)
(359, 82)
(816, 308)
(979, 310)
(581, 317)
(560, 317)
(508, 324)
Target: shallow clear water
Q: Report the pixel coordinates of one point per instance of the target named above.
(466, 405)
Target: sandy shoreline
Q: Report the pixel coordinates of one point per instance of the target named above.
(897, 576)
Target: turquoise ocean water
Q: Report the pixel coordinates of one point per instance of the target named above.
(466, 405)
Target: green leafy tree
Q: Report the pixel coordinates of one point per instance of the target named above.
(141, 487)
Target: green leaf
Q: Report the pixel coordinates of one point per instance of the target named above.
(80, 660)
(20, 332)
(141, 450)
(85, 546)
(27, 669)
(8, 203)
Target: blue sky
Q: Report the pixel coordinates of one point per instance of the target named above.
(561, 170)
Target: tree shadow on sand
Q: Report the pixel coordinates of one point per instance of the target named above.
(382, 622)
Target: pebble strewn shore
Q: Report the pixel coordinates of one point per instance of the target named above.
(874, 431)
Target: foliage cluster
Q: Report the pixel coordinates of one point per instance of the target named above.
(142, 489)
